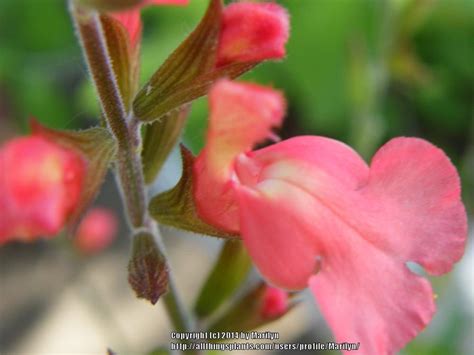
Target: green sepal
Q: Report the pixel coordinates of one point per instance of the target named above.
(149, 109)
(195, 56)
(98, 148)
(246, 314)
(159, 139)
(123, 57)
(226, 277)
(147, 268)
(176, 207)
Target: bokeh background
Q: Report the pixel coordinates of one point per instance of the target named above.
(361, 71)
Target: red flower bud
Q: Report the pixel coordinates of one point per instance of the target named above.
(40, 184)
(274, 303)
(252, 32)
(96, 231)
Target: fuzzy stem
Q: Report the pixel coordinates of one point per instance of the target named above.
(94, 46)
(129, 170)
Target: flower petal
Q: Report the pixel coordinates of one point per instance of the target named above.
(365, 295)
(418, 194)
(311, 162)
(275, 234)
(241, 116)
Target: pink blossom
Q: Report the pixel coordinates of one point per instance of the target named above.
(250, 110)
(130, 19)
(96, 231)
(252, 32)
(274, 302)
(40, 184)
(313, 214)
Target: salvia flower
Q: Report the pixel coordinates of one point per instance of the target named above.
(313, 214)
(252, 32)
(40, 185)
(96, 231)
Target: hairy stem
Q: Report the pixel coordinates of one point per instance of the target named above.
(129, 170)
(94, 47)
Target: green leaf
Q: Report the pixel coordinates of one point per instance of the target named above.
(185, 92)
(98, 148)
(195, 56)
(123, 58)
(245, 314)
(226, 277)
(147, 269)
(176, 207)
(160, 138)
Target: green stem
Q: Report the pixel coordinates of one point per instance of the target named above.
(129, 172)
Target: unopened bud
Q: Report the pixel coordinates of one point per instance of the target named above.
(259, 306)
(274, 302)
(252, 32)
(147, 269)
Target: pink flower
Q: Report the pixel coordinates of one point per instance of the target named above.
(96, 231)
(313, 214)
(130, 19)
(252, 32)
(40, 184)
(274, 303)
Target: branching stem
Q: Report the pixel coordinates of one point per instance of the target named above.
(129, 172)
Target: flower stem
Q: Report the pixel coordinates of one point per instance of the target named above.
(129, 172)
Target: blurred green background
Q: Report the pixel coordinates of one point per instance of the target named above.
(361, 71)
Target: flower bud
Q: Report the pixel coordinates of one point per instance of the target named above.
(147, 268)
(274, 302)
(96, 231)
(252, 32)
(260, 305)
(40, 185)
